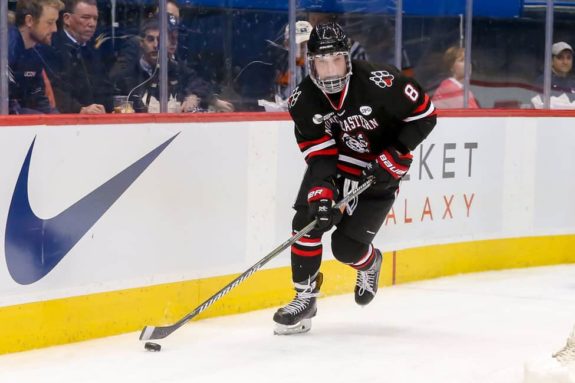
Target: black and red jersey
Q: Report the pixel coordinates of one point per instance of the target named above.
(378, 108)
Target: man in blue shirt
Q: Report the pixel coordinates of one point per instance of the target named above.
(35, 24)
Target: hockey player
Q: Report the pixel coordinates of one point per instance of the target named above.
(353, 121)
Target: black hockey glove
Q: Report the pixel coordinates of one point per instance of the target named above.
(321, 200)
(389, 167)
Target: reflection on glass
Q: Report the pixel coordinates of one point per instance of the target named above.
(224, 59)
(434, 44)
(508, 57)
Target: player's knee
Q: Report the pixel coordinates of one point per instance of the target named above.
(346, 249)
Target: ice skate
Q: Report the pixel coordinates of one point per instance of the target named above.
(367, 281)
(295, 318)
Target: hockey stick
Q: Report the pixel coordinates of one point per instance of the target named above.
(153, 332)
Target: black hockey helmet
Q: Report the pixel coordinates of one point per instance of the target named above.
(328, 39)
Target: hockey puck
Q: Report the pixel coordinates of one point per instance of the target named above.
(149, 346)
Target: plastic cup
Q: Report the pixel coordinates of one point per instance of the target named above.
(122, 105)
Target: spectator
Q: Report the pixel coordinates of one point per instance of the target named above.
(562, 81)
(35, 24)
(302, 32)
(139, 80)
(77, 71)
(130, 50)
(173, 10)
(449, 94)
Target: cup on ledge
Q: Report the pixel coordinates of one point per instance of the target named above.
(122, 105)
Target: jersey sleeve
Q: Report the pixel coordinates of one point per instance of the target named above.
(415, 113)
(314, 139)
(405, 101)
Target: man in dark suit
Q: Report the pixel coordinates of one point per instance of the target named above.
(77, 70)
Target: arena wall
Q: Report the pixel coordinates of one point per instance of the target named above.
(138, 220)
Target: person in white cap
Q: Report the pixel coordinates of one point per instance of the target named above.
(562, 59)
(302, 32)
(562, 81)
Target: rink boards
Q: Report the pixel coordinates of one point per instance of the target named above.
(111, 226)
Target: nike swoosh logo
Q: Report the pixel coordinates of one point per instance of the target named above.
(34, 246)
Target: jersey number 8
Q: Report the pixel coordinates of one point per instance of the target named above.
(411, 92)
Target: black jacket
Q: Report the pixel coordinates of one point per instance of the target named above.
(182, 82)
(78, 75)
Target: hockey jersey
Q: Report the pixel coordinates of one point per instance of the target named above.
(340, 134)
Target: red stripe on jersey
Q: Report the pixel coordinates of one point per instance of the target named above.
(422, 107)
(318, 193)
(324, 152)
(305, 144)
(342, 96)
(306, 253)
(349, 169)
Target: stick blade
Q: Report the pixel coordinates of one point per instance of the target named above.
(147, 333)
(152, 332)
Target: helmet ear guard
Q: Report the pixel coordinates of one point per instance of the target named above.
(328, 39)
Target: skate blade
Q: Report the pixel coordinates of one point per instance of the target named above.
(299, 328)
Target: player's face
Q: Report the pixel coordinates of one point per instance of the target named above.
(563, 62)
(41, 30)
(330, 66)
(82, 22)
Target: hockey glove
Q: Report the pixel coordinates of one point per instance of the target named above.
(389, 167)
(321, 200)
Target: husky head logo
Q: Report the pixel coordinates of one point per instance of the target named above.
(356, 143)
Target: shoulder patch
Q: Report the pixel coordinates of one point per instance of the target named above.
(382, 78)
(294, 97)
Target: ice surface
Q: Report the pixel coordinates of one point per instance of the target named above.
(472, 328)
